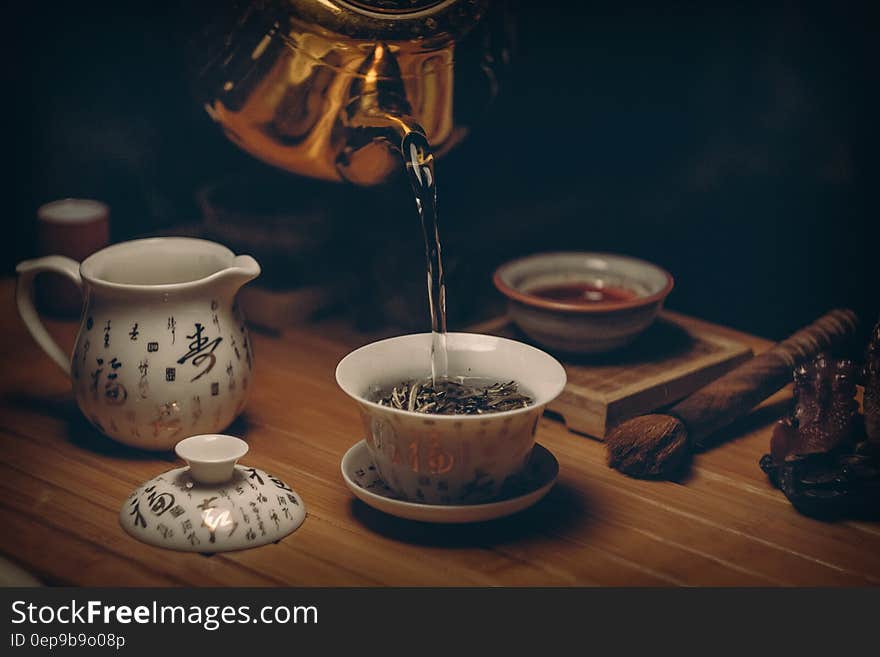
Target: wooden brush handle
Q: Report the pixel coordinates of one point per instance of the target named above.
(734, 394)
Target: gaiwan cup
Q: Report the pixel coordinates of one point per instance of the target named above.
(450, 459)
(583, 327)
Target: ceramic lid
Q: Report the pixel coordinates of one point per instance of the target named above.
(213, 505)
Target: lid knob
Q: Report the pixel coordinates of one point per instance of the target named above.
(211, 457)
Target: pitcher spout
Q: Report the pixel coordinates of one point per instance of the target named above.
(243, 270)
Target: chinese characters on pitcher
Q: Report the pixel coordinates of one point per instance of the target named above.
(182, 363)
(201, 349)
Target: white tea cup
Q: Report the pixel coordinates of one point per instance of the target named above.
(450, 459)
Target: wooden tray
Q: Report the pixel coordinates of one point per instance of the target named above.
(672, 359)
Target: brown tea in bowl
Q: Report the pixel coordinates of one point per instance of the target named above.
(580, 292)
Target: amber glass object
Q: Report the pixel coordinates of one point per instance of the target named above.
(329, 88)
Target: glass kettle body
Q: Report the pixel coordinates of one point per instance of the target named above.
(328, 88)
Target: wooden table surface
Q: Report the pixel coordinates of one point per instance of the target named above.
(61, 487)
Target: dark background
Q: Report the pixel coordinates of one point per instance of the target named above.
(732, 144)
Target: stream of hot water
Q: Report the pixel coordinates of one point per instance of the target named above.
(420, 167)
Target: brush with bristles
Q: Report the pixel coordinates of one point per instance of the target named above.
(659, 445)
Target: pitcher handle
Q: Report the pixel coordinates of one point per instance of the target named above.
(24, 297)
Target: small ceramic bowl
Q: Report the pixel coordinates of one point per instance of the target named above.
(450, 459)
(211, 457)
(583, 326)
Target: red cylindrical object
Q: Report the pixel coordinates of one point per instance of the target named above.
(75, 228)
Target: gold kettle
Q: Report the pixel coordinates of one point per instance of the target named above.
(329, 88)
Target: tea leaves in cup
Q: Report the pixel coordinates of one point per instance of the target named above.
(465, 396)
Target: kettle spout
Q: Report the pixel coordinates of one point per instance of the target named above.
(243, 270)
(374, 123)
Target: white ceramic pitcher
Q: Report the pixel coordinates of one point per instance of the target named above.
(162, 351)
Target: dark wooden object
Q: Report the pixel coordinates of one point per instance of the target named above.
(673, 358)
(657, 445)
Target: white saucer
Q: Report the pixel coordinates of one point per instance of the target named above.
(361, 477)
